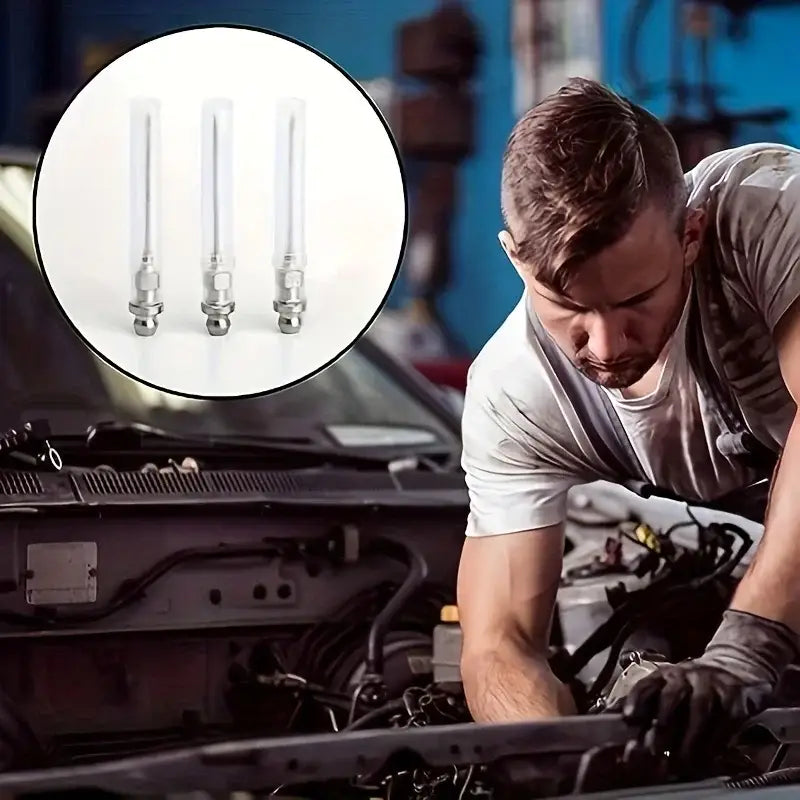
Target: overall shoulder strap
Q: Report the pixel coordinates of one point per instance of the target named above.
(736, 440)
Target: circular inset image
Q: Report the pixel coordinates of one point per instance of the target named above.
(220, 212)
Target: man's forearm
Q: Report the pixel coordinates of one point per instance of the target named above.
(508, 685)
(771, 587)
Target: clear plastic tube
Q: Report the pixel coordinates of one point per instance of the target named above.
(145, 214)
(217, 213)
(290, 181)
(289, 255)
(217, 178)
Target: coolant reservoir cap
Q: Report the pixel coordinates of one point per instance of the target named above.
(449, 614)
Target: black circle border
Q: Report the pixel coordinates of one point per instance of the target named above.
(381, 305)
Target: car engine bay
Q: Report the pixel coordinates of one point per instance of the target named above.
(293, 631)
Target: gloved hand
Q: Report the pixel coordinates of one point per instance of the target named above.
(692, 709)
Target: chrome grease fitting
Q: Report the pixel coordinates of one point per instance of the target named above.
(217, 213)
(218, 303)
(290, 292)
(145, 303)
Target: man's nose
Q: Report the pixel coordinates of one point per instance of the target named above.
(607, 339)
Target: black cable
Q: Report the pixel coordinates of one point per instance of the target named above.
(372, 677)
(672, 595)
(603, 636)
(354, 703)
(307, 649)
(692, 516)
(727, 566)
(322, 651)
(376, 714)
(677, 526)
(604, 676)
(640, 604)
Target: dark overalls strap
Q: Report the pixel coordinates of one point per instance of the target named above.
(736, 439)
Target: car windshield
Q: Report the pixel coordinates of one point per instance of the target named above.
(49, 373)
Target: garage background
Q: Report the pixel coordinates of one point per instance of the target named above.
(720, 71)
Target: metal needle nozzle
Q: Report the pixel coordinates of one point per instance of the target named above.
(146, 303)
(218, 303)
(289, 258)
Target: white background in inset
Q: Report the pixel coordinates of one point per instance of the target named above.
(355, 215)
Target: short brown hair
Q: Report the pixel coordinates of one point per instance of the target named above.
(578, 168)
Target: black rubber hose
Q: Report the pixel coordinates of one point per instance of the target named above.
(417, 573)
(375, 715)
(321, 652)
(778, 777)
(637, 604)
(604, 676)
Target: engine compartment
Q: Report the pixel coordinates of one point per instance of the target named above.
(142, 621)
(203, 619)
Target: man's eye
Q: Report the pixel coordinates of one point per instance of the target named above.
(565, 304)
(636, 301)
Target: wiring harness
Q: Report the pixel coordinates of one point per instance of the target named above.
(678, 575)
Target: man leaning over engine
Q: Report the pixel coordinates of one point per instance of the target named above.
(657, 340)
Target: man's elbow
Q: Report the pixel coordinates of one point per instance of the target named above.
(481, 656)
(474, 664)
(479, 668)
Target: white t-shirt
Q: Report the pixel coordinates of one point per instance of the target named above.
(525, 445)
(671, 432)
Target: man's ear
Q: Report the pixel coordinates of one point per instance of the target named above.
(508, 244)
(693, 234)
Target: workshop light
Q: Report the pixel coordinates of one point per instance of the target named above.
(217, 214)
(145, 303)
(289, 255)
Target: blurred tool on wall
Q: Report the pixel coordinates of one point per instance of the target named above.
(695, 117)
(434, 121)
(552, 41)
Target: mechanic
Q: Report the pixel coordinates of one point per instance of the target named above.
(657, 341)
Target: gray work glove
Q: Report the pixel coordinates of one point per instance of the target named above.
(693, 708)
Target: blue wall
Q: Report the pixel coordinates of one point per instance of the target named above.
(359, 35)
(754, 72)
